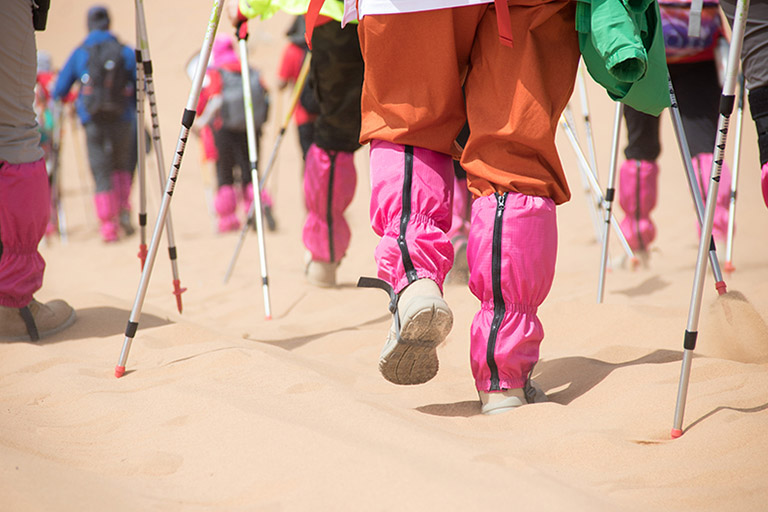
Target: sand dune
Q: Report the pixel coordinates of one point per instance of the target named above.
(221, 409)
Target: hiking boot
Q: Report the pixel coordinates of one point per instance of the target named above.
(321, 273)
(35, 321)
(410, 355)
(497, 402)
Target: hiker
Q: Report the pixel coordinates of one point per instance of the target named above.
(287, 74)
(105, 71)
(223, 112)
(754, 58)
(24, 191)
(693, 68)
(335, 80)
(513, 94)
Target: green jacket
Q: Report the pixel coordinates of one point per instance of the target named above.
(267, 8)
(622, 45)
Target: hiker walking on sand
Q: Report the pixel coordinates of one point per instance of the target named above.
(24, 191)
(693, 69)
(105, 70)
(223, 112)
(517, 66)
(335, 79)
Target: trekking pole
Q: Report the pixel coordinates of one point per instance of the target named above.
(186, 123)
(726, 109)
(55, 173)
(595, 186)
(682, 142)
(146, 61)
(734, 179)
(250, 128)
(590, 142)
(298, 86)
(609, 193)
(587, 119)
(140, 148)
(594, 206)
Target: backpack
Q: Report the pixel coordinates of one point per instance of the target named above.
(232, 110)
(107, 84)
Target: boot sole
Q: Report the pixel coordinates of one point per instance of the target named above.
(413, 360)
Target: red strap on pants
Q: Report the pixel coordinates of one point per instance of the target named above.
(503, 22)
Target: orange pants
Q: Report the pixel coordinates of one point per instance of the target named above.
(417, 63)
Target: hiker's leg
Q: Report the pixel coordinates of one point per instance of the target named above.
(698, 95)
(226, 195)
(638, 178)
(24, 210)
(336, 75)
(99, 146)
(758, 106)
(329, 186)
(124, 157)
(511, 149)
(412, 132)
(754, 57)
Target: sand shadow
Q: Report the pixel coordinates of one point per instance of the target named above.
(101, 322)
(647, 287)
(572, 376)
(296, 342)
(745, 410)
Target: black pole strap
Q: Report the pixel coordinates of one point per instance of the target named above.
(29, 321)
(373, 282)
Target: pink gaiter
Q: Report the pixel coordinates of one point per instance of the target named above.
(638, 190)
(329, 186)
(24, 210)
(511, 254)
(411, 200)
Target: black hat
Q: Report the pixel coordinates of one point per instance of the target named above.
(98, 18)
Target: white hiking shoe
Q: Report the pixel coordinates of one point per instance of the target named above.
(498, 402)
(410, 353)
(320, 273)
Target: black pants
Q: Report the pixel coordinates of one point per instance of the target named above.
(111, 147)
(336, 78)
(233, 152)
(698, 94)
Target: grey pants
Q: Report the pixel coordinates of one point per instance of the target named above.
(754, 53)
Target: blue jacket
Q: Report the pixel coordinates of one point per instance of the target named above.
(77, 66)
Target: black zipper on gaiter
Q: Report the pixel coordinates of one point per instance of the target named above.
(638, 184)
(405, 215)
(499, 309)
(329, 206)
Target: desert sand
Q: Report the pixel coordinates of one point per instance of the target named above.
(223, 410)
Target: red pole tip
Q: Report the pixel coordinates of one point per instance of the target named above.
(728, 267)
(268, 317)
(119, 371)
(635, 263)
(177, 291)
(720, 286)
(676, 432)
(142, 254)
